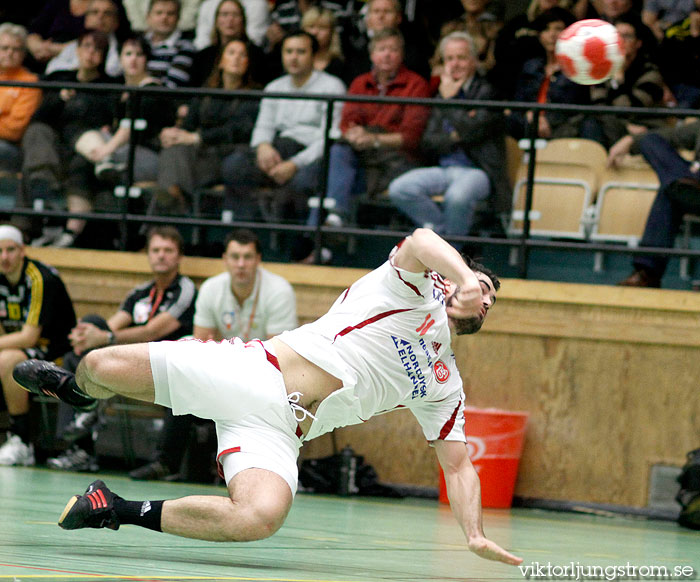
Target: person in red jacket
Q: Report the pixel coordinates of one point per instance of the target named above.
(379, 140)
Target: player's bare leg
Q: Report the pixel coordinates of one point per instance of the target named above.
(258, 503)
(123, 370)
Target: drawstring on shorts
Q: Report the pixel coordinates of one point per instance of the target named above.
(293, 400)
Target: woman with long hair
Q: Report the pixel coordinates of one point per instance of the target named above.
(320, 22)
(192, 155)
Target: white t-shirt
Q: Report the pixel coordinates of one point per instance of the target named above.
(269, 310)
(387, 338)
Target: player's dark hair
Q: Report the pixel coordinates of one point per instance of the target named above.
(243, 236)
(169, 232)
(474, 266)
(299, 33)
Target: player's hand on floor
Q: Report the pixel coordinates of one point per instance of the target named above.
(485, 548)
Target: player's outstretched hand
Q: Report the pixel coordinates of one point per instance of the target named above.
(485, 548)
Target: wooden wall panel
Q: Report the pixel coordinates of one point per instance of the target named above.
(609, 375)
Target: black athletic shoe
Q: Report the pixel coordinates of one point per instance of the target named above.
(42, 377)
(93, 509)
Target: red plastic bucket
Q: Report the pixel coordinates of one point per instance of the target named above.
(495, 443)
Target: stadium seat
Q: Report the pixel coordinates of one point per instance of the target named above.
(567, 175)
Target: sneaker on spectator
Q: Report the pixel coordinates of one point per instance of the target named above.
(74, 459)
(155, 471)
(16, 452)
(108, 171)
(334, 220)
(64, 240)
(49, 234)
(81, 426)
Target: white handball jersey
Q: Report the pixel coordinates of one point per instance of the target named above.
(387, 338)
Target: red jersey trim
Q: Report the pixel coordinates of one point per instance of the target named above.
(374, 319)
(270, 357)
(449, 425)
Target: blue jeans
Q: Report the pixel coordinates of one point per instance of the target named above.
(10, 156)
(462, 188)
(342, 173)
(666, 214)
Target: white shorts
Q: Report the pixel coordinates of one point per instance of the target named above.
(239, 386)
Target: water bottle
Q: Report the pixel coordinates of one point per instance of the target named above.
(348, 467)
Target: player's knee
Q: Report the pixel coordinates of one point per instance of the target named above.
(9, 358)
(264, 519)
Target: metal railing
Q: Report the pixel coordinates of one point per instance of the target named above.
(525, 243)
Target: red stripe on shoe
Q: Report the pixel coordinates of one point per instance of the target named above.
(374, 319)
(92, 500)
(447, 428)
(102, 498)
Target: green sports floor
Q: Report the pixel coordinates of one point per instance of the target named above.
(325, 539)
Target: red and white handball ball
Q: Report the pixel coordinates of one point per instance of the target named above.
(590, 51)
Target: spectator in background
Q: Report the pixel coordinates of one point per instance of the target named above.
(660, 15)
(17, 104)
(679, 61)
(679, 192)
(287, 141)
(518, 42)
(108, 148)
(171, 54)
(638, 84)
(287, 15)
(379, 140)
(467, 147)
(246, 301)
(613, 10)
(320, 22)
(229, 24)
(257, 17)
(483, 19)
(137, 11)
(381, 15)
(49, 142)
(102, 15)
(36, 315)
(161, 309)
(58, 22)
(215, 128)
(542, 81)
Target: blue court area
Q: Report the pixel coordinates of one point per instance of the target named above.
(325, 539)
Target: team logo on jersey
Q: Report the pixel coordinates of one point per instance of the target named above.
(436, 347)
(441, 371)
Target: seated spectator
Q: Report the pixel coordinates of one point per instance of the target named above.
(171, 54)
(229, 24)
(159, 310)
(287, 15)
(542, 81)
(379, 140)
(49, 141)
(679, 61)
(380, 15)
(215, 128)
(102, 15)
(467, 145)
(638, 84)
(678, 194)
(613, 10)
(483, 20)
(287, 141)
(660, 15)
(17, 104)
(36, 315)
(108, 148)
(320, 22)
(257, 16)
(137, 12)
(57, 23)
(518, 42)
(246, 301)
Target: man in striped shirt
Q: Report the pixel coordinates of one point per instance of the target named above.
(171, 55)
